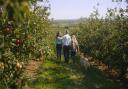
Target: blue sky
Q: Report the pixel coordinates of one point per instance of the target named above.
(73, 9)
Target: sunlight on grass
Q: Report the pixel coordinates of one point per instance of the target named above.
(56, 75)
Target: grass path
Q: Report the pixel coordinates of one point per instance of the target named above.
(56, 75)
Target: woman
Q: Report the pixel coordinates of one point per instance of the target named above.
(74, 47)
(58, 45)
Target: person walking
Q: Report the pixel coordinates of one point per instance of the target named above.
(66, 46)
(58, 45)
(74, 47)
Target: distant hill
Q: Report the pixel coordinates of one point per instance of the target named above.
(68, 22)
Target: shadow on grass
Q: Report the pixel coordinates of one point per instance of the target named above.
(55, 75)
(97, 80)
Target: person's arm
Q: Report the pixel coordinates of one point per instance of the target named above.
(77, 46)
(70, 41)
(62, 40)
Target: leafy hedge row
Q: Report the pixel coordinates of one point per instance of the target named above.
(106, 40)
(22, 36)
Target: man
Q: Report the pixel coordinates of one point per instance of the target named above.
(66, 46)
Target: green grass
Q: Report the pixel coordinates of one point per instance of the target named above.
(58, 75)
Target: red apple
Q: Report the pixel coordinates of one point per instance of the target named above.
(7, 30)
(19, 41)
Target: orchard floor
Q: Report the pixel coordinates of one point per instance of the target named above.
(59, 75)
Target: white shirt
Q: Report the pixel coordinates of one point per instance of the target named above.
(66, 40)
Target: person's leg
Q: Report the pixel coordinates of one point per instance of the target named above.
(57, 51)
(72, 56)
(68, 54)
(60, 51)
(64, 52)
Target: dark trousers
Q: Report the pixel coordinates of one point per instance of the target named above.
(66, 53)
(58, 51)
(73, 55)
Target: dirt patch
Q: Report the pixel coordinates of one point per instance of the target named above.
(31, 68)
